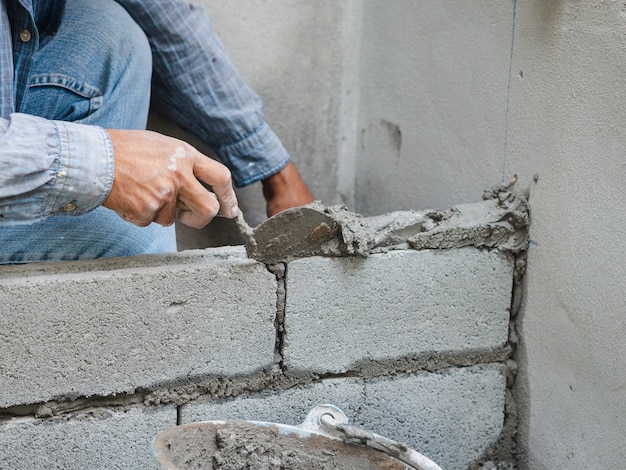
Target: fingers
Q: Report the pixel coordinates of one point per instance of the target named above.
(167, 215)
(218, 177)
(154, 172)
(199, 205)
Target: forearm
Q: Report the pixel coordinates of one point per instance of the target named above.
(52, 168)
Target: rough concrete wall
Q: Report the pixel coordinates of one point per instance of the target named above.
(438, 123)
(115, 329)
(566, 127)
(96, 357)
(296, 55)
(434, 83)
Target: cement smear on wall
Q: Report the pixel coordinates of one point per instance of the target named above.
(500, 221)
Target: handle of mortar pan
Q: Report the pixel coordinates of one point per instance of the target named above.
(330, 420)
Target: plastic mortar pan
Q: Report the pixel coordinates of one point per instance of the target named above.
(324, 440)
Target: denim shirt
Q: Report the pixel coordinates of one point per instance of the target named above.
(43, 170)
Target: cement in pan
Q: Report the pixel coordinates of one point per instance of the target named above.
(240, 444)
(325, 440)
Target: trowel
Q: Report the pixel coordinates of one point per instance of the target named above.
(293, 233)
(332, 231)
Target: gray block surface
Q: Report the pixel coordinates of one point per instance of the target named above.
(344, 311)
(452, 416)
(101, 439)
(114, 328)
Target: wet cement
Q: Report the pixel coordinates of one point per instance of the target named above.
(243, 445)
(500, 221)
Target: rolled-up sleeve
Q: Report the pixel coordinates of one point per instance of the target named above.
(196, 84)
(52, 168)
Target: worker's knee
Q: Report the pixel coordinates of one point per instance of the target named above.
(96, 69)
(127, 47)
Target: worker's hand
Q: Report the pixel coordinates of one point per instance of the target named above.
(285, 189)
(155, 173)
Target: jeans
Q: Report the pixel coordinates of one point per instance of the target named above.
(95, 70)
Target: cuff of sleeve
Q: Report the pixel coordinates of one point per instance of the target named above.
(254, 158)
(85, 171)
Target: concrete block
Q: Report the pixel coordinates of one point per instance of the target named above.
(452, 416)
(99, 439)
(85, 329)
(285, 406)
(341, 312)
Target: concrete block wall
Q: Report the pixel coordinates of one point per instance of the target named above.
(342, 312)
(102, 438)
(387, 105)
(113, 329)
(96, 357)
(451, 415)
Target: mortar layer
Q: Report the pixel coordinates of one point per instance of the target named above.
(499, 221)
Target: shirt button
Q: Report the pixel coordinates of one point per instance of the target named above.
(70, 206)
(25, 35)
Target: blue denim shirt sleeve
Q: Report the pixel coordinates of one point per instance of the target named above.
(48, 167)
(71, 174)
(195, 83)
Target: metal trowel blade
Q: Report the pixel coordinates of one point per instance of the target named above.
(293, 233)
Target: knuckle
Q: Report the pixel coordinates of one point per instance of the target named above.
(140, 215)
(136, 220)
(223, 175)
(143, 220)
(164, 221)
(165, 218)
(210, 209)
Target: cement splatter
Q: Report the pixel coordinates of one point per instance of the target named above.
(177, 155)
